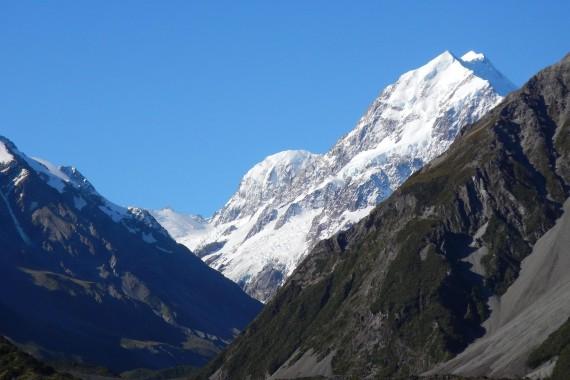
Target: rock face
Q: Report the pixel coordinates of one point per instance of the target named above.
(293, 199)
(531, 309)
(83, 279)
(468, 247)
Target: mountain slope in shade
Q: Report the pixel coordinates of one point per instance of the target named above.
(461, 261)
(83, 279)
(15, 364)
(291, 200)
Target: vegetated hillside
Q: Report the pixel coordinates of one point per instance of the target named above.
(85, 280)
(15, 364)
(409, 286)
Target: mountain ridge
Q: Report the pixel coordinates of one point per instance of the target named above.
(86, 280)
(408, 287)
(260, 235)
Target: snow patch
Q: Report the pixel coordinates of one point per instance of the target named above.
(52, 175)
(21, 177)
(5, 155)
(483, 68)
(116, 213)
(190, 229)
(471, 56)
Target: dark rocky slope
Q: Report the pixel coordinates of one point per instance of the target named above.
(408, 287)
(84, 280)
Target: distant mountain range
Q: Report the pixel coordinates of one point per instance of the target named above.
(84, 280)
(293, 199)
(463, 270)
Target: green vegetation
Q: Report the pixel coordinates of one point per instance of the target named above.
(409, 274)
(557, 344)
(162, 374)
(562, 368)
(15, 364)
(507, 248)
(562, 142)
(438, 183)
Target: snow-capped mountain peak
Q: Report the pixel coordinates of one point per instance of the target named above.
(273, 172)
(472, 55)
(291, 200)
(483, 68)
(408, 118)
(270, 179)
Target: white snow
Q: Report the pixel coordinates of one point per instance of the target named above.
(53, 176)
(116, 213)
(5, 156)
(246, 257)
(187, 229)
(52, 169)
(270, 179)
(21, 177)
(411, 122)
(266, 171)
(483, 68)
(133, 219)
(471, 56)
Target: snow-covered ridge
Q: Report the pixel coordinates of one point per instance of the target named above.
(291, 200)
(68, 180)
(483, 68)
(5, 156)
(471, 56)
(186, 229)
(57, 177)
(270, 179)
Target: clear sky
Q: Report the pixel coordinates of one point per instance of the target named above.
(170, 102)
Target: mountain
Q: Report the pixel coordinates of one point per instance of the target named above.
(293, 199)
(85, 280)
(462, 270)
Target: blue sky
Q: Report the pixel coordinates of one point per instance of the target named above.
(170, 102)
